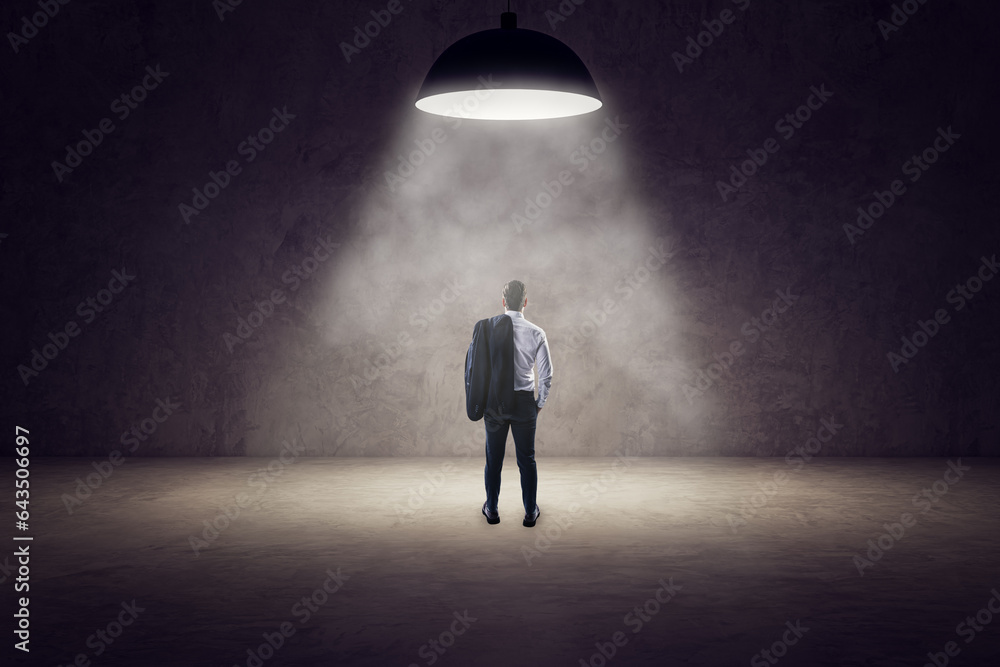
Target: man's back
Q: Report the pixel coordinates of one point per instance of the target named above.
(531, 347)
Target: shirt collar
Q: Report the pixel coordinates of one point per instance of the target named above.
(514, 313)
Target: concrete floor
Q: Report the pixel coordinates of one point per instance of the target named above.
(412, 564)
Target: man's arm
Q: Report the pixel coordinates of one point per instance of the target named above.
(543, 365)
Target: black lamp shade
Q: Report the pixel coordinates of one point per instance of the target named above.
(508, 74)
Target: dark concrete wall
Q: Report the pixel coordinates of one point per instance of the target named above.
(425, 256)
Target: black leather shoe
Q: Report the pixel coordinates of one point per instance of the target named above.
(530, 519)
(491, 517)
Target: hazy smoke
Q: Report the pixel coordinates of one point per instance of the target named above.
(428, 260)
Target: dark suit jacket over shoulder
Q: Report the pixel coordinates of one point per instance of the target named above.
(489, 368)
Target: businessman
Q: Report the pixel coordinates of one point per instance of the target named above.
(531, 350)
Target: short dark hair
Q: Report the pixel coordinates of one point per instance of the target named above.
(514, 293)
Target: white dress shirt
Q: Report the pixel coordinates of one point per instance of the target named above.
(530, 348)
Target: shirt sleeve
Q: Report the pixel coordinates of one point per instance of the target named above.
(543, 363)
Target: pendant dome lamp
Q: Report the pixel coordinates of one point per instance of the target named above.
(508, 74)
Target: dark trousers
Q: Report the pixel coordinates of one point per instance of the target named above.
(520, 421)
